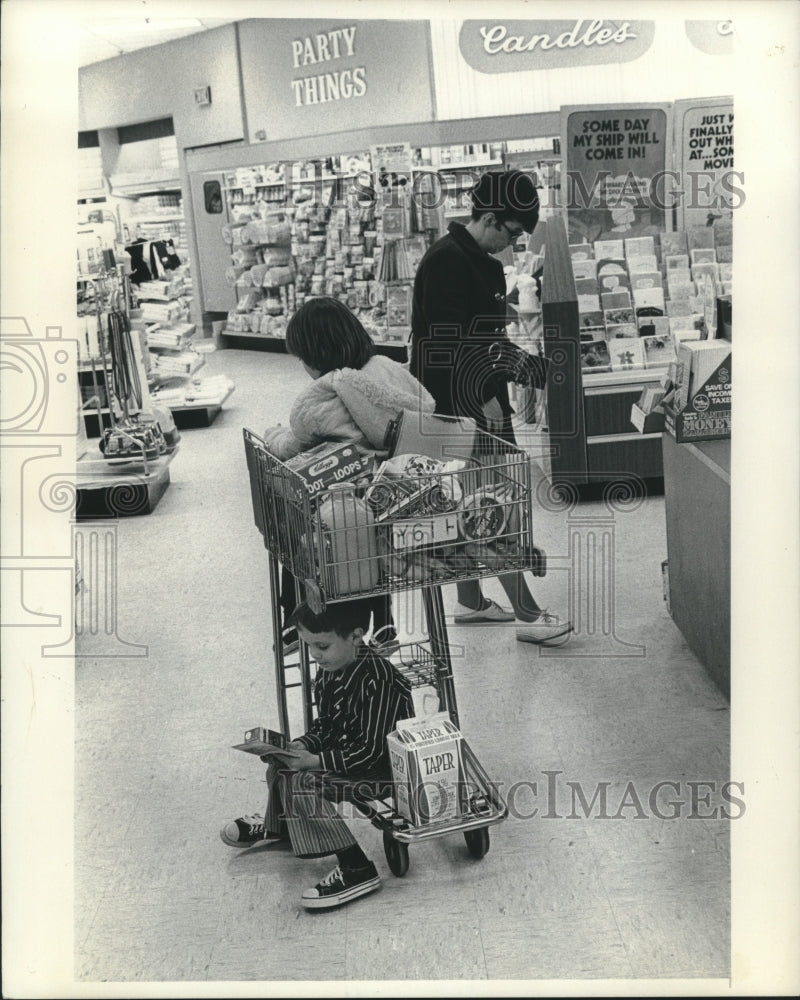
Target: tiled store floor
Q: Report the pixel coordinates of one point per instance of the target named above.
(159, 897)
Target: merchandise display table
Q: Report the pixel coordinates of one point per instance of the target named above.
(698, 510)
(119, 490)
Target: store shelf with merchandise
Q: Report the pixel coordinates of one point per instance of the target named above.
(339, 241)
(321, 234)
(153, 212)
(125, 470)
(459, 166)
(173, 356)
(614, 315)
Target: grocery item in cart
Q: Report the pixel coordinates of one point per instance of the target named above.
(350, 544)
(483, 515)
(409, 485)
(328, 463)
(427, 761)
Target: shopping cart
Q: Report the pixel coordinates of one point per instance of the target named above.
(371, 537)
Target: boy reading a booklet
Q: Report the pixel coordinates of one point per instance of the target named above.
(359, 698)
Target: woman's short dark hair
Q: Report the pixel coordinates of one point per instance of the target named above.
(509, 195)
(326, 335)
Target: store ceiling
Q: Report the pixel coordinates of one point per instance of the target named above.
(105, 38)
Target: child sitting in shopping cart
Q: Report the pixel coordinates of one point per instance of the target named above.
(359, 698)
(354, 394)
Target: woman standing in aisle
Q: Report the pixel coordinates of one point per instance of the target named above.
(458, 314)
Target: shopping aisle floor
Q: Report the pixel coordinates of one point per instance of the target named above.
(562, 894)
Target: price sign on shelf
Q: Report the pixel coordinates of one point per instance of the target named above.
(419, 531)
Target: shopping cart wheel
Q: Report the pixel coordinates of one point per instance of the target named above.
(477, 841)
(396, 854)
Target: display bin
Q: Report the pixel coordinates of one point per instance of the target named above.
(380, 535)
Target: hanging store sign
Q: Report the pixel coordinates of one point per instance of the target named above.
(493, 46)
(616, 171)
(704, 160)
(712, 37)
(309, 77)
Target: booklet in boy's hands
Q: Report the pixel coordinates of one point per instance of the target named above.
(262, 741)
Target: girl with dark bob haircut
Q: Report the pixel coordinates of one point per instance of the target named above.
(353, 394)
(325, 335)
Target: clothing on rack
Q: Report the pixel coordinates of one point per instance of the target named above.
(152, 259)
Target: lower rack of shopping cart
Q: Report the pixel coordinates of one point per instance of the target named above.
(483, 807)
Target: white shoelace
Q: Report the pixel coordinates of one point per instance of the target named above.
(333, 876)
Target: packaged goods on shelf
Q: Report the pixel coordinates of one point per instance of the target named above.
(698, 360)
(161, 289)
(199, 392)
(208, 392)
(699, 409)
(162, 312)
(163, 203)
(185, 363)
(170, 338)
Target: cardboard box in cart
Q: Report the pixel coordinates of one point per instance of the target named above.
(427, 760)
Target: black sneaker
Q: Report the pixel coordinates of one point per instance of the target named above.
(385, 641)
(341, 886)
(246, 831)
(291, 641)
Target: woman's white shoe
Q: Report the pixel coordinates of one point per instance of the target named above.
(546, 628)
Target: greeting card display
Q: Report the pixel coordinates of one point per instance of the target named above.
(658, 351)
(581, 251)
(677, 262)
(586, 286)
(648, 263)
(640, 246)
(653, 298)
(653, 326)
(615, 331)
(626, 354)
(589, 304)
(614, 249)
(614, 316)
(705, 255)
(584, 268)
(591, 320)
(700, 237)
(646, 279)
(595, 356)
(616, 300)
(673, 243)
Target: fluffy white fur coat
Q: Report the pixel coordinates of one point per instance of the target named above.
(350, 405)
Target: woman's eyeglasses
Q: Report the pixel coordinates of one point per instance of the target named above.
(513, 234)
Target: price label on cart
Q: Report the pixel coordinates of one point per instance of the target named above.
(416, 532)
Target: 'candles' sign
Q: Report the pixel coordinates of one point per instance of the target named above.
(511, 46)
(335, 83)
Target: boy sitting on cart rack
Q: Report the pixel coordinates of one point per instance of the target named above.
(359, 698)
